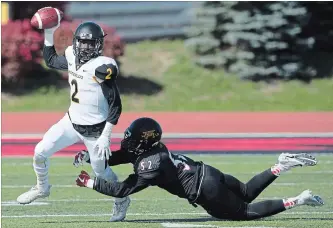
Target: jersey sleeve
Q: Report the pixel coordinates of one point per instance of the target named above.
(112, 95)
(107, 71)
(53, 60)
(132, 184)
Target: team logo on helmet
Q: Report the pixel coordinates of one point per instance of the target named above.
(150, 134)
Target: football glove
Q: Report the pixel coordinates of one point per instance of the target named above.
(83, 179)
(48, 35)
(102, 147)
(80, 157)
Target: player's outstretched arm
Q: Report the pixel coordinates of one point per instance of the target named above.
(52, 59)
(117, 157)
(132, 184)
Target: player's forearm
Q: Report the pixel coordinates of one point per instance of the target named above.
(115, 189)
(111, 93)
(50, 56)
(114, 114)
(118, 157)
(52, 60)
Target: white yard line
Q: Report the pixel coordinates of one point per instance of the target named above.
(144, 214)
(74, 186)
(14, 203)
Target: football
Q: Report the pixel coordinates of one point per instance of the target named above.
(46, 18)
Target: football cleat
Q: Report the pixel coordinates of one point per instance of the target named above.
(306, 198)
(33, 194)
(119, 210)
(294, 160)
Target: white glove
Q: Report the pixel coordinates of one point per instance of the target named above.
(48, 35)
(102, 145)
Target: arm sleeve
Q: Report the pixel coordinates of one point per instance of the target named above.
(118, 157)
(108, 72)
(132, 184)
(111, 93)
(53, 60)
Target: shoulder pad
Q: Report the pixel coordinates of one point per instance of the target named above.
(107, 71)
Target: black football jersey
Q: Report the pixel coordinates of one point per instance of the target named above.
(177, 174)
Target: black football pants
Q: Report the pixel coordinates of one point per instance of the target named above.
(225, 197)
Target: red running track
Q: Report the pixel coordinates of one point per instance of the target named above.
(25, 147)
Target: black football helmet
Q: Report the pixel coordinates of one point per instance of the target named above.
(142, 135)
(88, 41)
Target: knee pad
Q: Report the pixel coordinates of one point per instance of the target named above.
(39, 156)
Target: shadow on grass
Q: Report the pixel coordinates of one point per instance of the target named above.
(47, 79)
(202, 219)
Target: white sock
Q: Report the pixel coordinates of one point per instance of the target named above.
(277, 169)
(41, 168)
(291, 202)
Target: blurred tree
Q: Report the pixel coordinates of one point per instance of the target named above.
(261, 40)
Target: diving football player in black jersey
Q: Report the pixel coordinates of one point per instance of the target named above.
(221, 195)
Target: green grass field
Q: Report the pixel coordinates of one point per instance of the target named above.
(186, 87)
(70, 206)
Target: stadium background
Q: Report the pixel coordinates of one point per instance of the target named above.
(191, 65)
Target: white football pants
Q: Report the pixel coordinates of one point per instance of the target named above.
(60, 136)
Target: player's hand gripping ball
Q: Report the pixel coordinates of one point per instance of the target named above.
(46, 18)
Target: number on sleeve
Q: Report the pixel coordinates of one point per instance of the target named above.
(108, 76)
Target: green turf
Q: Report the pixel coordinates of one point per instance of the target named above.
(153, 206)
(187, 87)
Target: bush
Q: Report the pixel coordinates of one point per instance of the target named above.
(22, 45)
(20, 51)
(262, 40)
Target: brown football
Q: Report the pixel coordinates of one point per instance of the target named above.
(46, 18)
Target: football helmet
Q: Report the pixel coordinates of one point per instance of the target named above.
(88, 41)
(142, 135)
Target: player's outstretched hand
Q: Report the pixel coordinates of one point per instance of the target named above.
(82, 179)
(102, 147)
(81, 156)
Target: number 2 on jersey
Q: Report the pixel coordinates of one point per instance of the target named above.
(75, 99)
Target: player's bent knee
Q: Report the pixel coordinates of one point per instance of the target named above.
(39, 158)
(40, 152)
